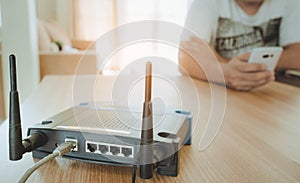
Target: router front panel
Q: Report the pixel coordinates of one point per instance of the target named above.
(112, 144)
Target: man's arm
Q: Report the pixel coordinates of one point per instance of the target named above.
(202, 62)
(290, 58)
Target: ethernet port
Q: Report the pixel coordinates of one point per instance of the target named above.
(126, 151)
(91, 147)
(103, 148)
(114, 150)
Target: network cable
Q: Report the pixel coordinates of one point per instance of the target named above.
(59, 151)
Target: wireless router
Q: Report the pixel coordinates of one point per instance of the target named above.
(105, 135)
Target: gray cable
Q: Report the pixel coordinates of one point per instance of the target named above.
(59, 151)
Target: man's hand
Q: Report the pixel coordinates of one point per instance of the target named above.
(203, 62)
(243, 76)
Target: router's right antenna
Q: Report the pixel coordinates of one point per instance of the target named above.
(146, 150)
(16, 148)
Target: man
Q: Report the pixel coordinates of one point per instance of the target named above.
(232, 28)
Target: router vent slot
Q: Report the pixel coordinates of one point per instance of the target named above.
(105, 119)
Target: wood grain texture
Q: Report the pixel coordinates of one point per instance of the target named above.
(259, 140)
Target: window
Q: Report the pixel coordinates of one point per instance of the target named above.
(93, 18)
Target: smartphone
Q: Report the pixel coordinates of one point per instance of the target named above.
(266, 55)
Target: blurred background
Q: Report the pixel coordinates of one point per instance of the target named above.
(51, 36)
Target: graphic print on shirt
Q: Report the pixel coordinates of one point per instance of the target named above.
(234, 38)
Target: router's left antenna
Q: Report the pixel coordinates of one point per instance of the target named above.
(17, 146)
(16, 149)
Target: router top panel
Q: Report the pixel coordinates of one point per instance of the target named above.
(113, 121)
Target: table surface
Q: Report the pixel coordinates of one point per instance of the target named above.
(258, 140)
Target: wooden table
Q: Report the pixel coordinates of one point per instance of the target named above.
(259, 140)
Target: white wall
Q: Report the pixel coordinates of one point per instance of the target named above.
(64, 15)
(46, 9)
(19, 36)
(59, 10)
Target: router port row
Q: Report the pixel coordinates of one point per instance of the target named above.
(109, 149)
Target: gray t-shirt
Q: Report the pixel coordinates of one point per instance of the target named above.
(225, 26)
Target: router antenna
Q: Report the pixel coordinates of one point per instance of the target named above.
(146, 150)
(16, 149)
(17, 146)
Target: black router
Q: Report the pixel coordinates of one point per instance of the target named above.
(113, 136)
